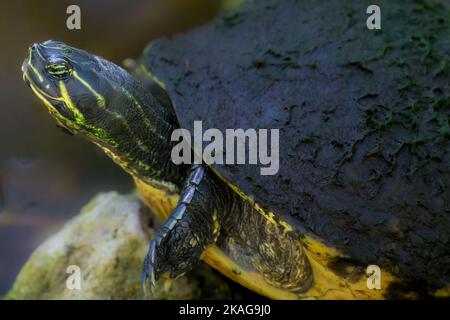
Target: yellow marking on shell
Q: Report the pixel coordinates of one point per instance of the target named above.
(168, 284)
(442, 293)
(41, 78)
(68, 101)
(100, 99)
(327, 285)
(152, 76)
(217, 259)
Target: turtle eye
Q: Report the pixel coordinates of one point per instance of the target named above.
(59, 69)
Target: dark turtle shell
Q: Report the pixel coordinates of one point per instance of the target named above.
(363, 118)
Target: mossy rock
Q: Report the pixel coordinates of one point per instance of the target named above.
(108, 241)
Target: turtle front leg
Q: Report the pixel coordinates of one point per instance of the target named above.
(192, 226)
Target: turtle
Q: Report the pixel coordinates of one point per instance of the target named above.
(360, 205)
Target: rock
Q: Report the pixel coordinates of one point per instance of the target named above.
(108, 241)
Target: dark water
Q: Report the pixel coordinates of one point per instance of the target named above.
(46, 176)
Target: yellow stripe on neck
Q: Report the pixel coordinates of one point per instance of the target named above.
(68, 101)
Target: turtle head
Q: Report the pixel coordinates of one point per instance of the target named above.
(99, 100)
(77, 87)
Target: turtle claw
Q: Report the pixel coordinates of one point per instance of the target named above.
(148, 271)
(178, 245)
